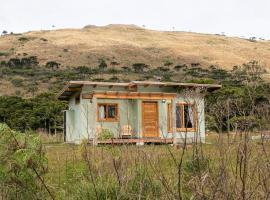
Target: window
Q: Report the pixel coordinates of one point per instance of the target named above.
(185, 117)
(107, 112)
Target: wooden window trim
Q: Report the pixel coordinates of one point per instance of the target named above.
(169, 117)
(182, 129)
(116, 119)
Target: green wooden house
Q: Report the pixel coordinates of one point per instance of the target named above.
(135, 112)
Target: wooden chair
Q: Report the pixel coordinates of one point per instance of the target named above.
(126, 131)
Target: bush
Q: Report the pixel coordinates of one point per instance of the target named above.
(168, 63)
(244, 122)
(23, 39)
(105, 134)
(84, 70)
(102, 64)
(22, 165)
(52, 64)
(139, 67)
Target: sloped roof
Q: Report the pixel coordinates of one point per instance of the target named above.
(74, 86)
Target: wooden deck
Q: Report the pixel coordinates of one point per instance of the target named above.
(136, 140)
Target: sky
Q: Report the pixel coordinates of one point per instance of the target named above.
(242, 18)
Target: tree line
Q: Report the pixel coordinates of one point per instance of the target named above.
(42, 111)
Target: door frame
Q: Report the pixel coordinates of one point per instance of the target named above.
(158, 132)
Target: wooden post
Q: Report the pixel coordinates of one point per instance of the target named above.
(94, 119)
(173, 117)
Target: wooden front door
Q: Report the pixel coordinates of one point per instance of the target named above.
(150, 119)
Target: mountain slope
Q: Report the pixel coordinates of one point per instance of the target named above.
(128, 44)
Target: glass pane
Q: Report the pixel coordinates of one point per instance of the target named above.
(102, 112)
(188, 116)
(112, 111)
(178, 116)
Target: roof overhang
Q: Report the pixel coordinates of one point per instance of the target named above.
(75, 86)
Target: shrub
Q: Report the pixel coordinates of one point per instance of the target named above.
(102, 64)
(139, 67)
(22, 165)
(163, 69)
(23, 39)
(29, 61)
(244, 122)
(112, 71)
(84, 70)
(168, 63)
(167, 77)
(126, 69)
(195, 64)
(52, 64)
(106, 134)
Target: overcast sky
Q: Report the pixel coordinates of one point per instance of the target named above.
(233, 17)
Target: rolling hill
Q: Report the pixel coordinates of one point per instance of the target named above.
(129, 44)
(124, 45)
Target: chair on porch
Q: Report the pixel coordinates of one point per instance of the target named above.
(126, 131)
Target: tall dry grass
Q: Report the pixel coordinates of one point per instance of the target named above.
(229, 168)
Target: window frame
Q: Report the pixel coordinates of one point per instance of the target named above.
(115, 119)
(182, 117)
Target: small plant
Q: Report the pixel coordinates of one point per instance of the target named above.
(105, 134)
(168, 63)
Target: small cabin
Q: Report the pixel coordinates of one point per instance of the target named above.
(134, 112)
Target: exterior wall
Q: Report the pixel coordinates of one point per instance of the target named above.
(125, 114)
(82, 117)
(190, 136)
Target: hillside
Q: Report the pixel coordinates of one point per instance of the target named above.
(118, 46)
(129, 44)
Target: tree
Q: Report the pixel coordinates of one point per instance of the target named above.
(139, 67)
(53, 64)
(4, 32)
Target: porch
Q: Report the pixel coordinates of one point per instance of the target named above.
(123, 141)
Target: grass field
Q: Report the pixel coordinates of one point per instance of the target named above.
(224, 168)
